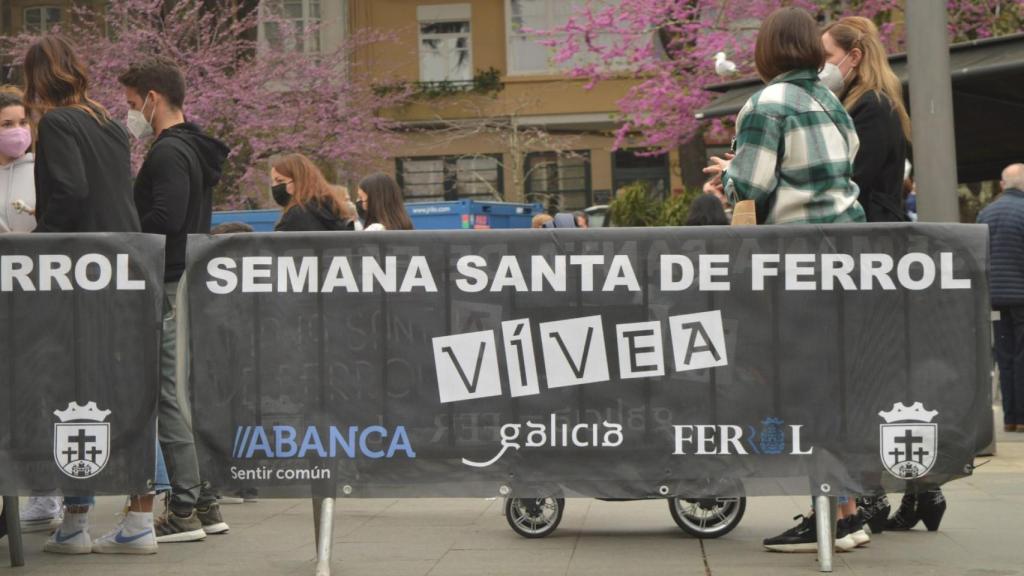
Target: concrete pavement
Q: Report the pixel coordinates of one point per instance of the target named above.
(980, 536)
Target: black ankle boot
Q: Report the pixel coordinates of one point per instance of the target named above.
(3, 524)
(906, 517)
(874, 510)
(931, 505)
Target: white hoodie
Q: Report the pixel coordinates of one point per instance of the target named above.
(17, 182)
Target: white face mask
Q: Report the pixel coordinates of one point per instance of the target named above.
(137, 123)
(832, 77)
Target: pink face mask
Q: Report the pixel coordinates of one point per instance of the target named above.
(14, 142)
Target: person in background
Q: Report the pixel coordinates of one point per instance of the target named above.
(230, 228)
(174, 197)
(910, 192)
(540, 220)
(706, 210)
(83, 182)
(347, 207)
(582, 220)
(1005, 220)
(17, 180)
(310, 204)
(17, 208)
(380, 199)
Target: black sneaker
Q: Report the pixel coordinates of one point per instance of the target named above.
(801, 538)
(174, 528)
(844, 534)
(874, 510)
(212, 521)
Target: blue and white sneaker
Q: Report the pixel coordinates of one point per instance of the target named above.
(72, 537)
(134, 535)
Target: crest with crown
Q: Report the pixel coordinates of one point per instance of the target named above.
(915, 413)
(74, 412)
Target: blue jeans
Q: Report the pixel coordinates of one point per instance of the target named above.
(161, 482)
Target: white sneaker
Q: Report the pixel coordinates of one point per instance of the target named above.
(846, 543)
(133, 535)
(72, 537)
(860, 537)
(40, 513)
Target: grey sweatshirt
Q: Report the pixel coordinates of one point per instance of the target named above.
(17, 182)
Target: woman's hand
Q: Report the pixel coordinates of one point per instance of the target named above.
(719, 165)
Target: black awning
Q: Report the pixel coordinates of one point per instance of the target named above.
(988, 103)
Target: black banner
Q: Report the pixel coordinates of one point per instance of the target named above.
(614, 363)
(80, 319)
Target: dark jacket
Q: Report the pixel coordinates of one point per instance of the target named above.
(878, 166)
(83, 174)
(173, 191)
(1005, 219)
(312, 217)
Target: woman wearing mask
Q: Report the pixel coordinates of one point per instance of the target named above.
(857, 71)
(310, 203)
(17, 182)
(83, 183)
(380, 201)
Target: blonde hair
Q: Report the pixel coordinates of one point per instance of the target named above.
(540, 220)
(873, 74)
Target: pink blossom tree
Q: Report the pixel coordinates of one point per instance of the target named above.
(669, 47)
(261, 100)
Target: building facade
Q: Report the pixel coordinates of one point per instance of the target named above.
(495, 117)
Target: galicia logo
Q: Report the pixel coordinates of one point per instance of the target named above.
(908, 440)
(729, 439)
(81, 441)
(582, 435)
(280, 442)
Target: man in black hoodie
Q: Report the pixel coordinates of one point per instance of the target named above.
(173, 195)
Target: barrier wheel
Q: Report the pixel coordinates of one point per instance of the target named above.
(707, 517)
(534, 517)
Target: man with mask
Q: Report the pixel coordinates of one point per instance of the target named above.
(173, 196)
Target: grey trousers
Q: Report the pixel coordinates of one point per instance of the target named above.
(174, 417)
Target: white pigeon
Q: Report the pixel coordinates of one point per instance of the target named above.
(724, 67)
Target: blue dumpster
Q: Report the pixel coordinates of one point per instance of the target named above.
(471, 215)
(454, 215)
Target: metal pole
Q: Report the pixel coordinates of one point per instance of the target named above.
(323, 545)
(931, 107)
(13, 516)
(823, 516)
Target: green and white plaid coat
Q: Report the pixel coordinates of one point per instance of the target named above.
(794, 159)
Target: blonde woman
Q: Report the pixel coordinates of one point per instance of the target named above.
(857, 71)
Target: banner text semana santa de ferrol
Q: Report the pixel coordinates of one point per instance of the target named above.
(615, 363)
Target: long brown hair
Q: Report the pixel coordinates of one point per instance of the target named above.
(386, 205)
(309, 184)
(56, 78)
(873, 74)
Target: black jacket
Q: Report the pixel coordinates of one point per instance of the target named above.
(173, 191)
(878, 166)
(1005, 219)
(312, 217)
(83, 174)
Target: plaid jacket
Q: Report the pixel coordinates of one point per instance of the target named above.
(794, 159)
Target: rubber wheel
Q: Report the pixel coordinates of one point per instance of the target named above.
(707, 517)
(534, 517)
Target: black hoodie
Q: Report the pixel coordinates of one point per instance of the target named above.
(312, 216)
(174, 189)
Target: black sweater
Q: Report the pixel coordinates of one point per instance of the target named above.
(314, 216)
(83, 174)
(173, 191)
(878, 166)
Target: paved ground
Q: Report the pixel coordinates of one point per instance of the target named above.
(980, 536)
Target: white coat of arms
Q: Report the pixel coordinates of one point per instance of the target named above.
(909, 440)
(81, 440)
